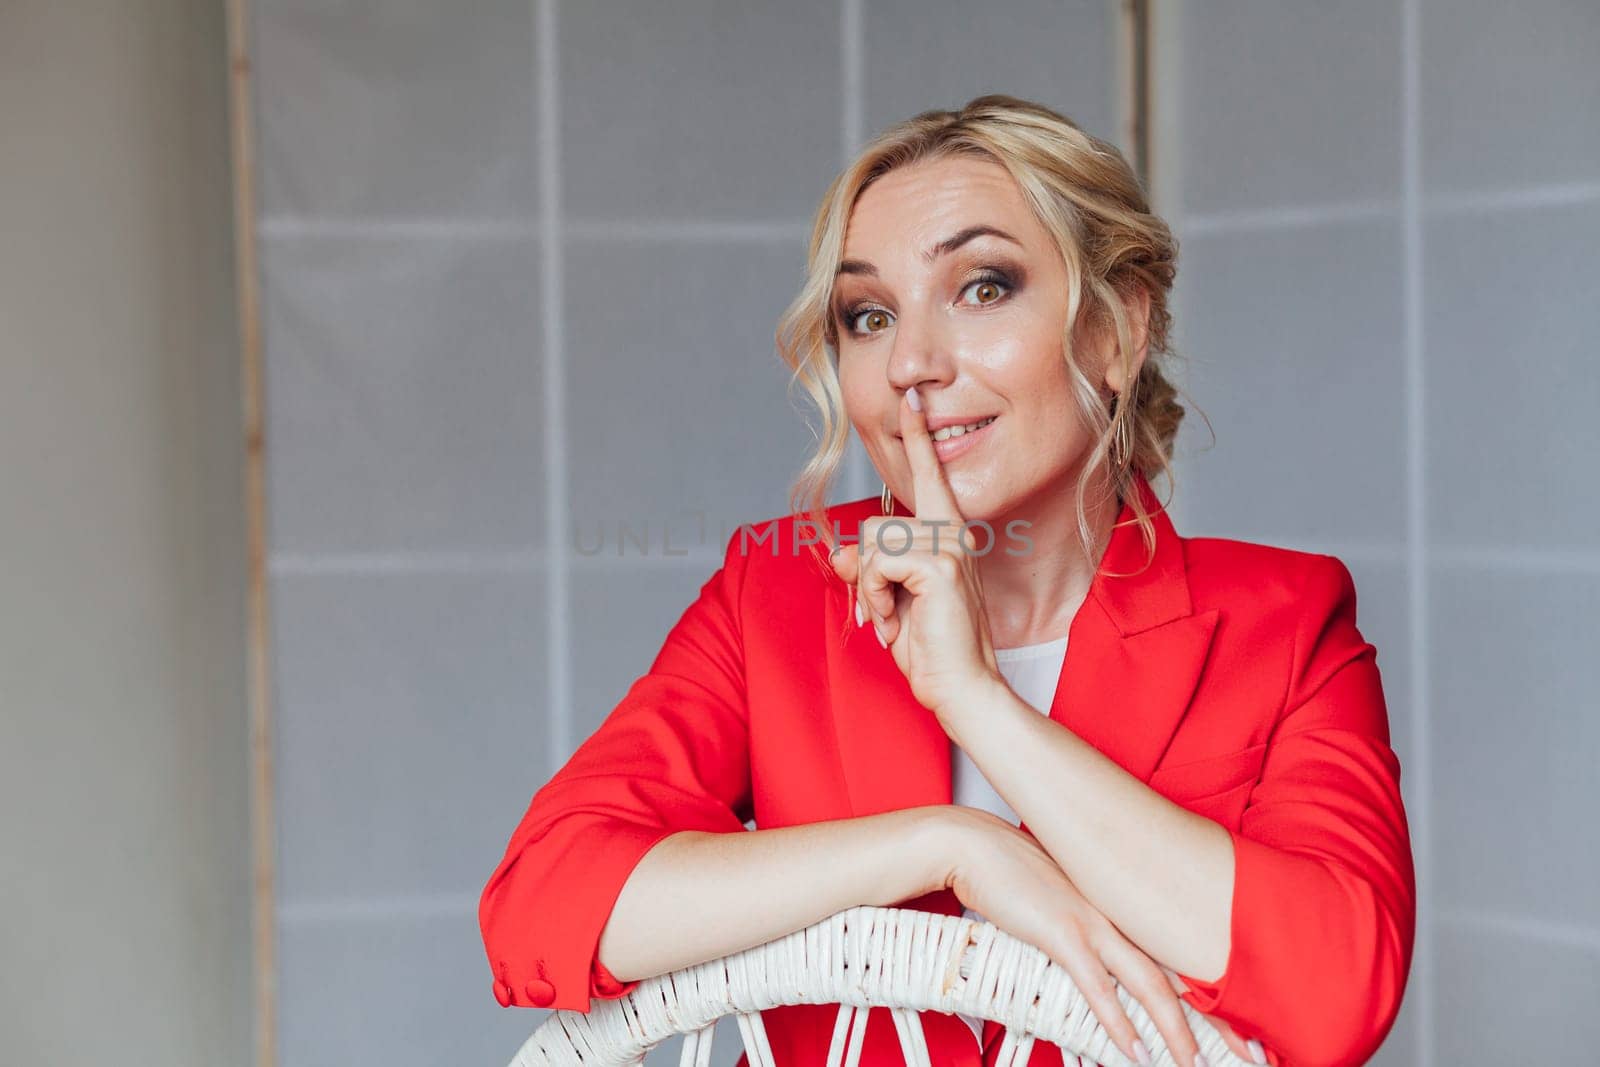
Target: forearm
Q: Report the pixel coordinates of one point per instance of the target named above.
(1161, 873)
(697, 896)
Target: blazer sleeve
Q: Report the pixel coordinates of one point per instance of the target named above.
(1324, 895)
(673, 755)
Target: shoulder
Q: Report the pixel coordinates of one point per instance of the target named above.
(1302, 603)
(1245, 575)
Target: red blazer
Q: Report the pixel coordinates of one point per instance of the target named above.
(1228, 676)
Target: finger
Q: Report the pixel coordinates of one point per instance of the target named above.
(1248, 1050)
(933, 497)
(865, 617)
(1100, 990)
(1245, 1048)
(1145, 983)
(888, 580)
(881, 538)
(1166, 1011)
(845, 560)
(875, 590)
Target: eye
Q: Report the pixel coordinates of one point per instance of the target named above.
(987, 289)
(869, 320)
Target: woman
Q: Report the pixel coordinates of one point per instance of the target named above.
(1190, 733)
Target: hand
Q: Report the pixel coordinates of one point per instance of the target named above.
(921, 591)
(1246, 1049)
(1004, 874)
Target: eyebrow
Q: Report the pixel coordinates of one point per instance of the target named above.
(944, 247)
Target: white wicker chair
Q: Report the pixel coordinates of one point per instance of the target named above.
(905, 960)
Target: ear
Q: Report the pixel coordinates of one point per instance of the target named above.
(1138, 310)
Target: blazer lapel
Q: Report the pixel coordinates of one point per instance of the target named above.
(1135, 648)
(1134, 654)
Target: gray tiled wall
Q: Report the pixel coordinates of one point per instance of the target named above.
(521, 270)
(522, 266)
(1387, 304)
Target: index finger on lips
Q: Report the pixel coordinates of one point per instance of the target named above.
(934, 497)
(846, 561)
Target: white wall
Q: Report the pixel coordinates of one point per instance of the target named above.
(521, 266)
(1386, 299)
(124, 888)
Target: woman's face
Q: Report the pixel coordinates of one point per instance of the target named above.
(950, 284)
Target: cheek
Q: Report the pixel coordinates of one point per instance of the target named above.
(1020, 349)
(862, 392)
(1029, 369)
(1054, 425)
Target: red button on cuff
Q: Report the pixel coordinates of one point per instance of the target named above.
(502, 993)
(540, 992)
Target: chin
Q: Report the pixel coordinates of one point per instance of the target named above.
(975, 502)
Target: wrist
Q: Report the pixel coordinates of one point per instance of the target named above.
(990, 686)
(979, 692)
(947, 837)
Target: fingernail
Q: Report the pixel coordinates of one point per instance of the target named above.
(1257, 1053)
(861, 618)
(913, 399)
(1141, 1053)
(1201, 1061)
(879, 633)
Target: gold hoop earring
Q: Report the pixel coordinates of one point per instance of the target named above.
(1120, 448)
(887, 500)
(1122, 443)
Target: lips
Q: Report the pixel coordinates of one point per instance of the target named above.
(958, 429)
(935, 423)
(952, 447)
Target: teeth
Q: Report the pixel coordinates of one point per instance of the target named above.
(956, 431)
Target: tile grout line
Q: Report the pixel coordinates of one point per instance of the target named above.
(352, 564)
(852, 117)
(1522, 198)
(376, 908)
(622, 231)
(334, 908)
(852, 120)
(1423, 961)
(785, 231)
(462, 228)
(326, 227)
(1287, 218)
(1517, 560)
(558, 641)
(1530, 561)
(1526, 927)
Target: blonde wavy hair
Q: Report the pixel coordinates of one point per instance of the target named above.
(1083, 191)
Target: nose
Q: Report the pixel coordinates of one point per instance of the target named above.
(921, 354)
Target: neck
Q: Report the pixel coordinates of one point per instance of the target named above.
(1033, 596)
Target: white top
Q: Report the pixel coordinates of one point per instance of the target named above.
(1032, 671)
